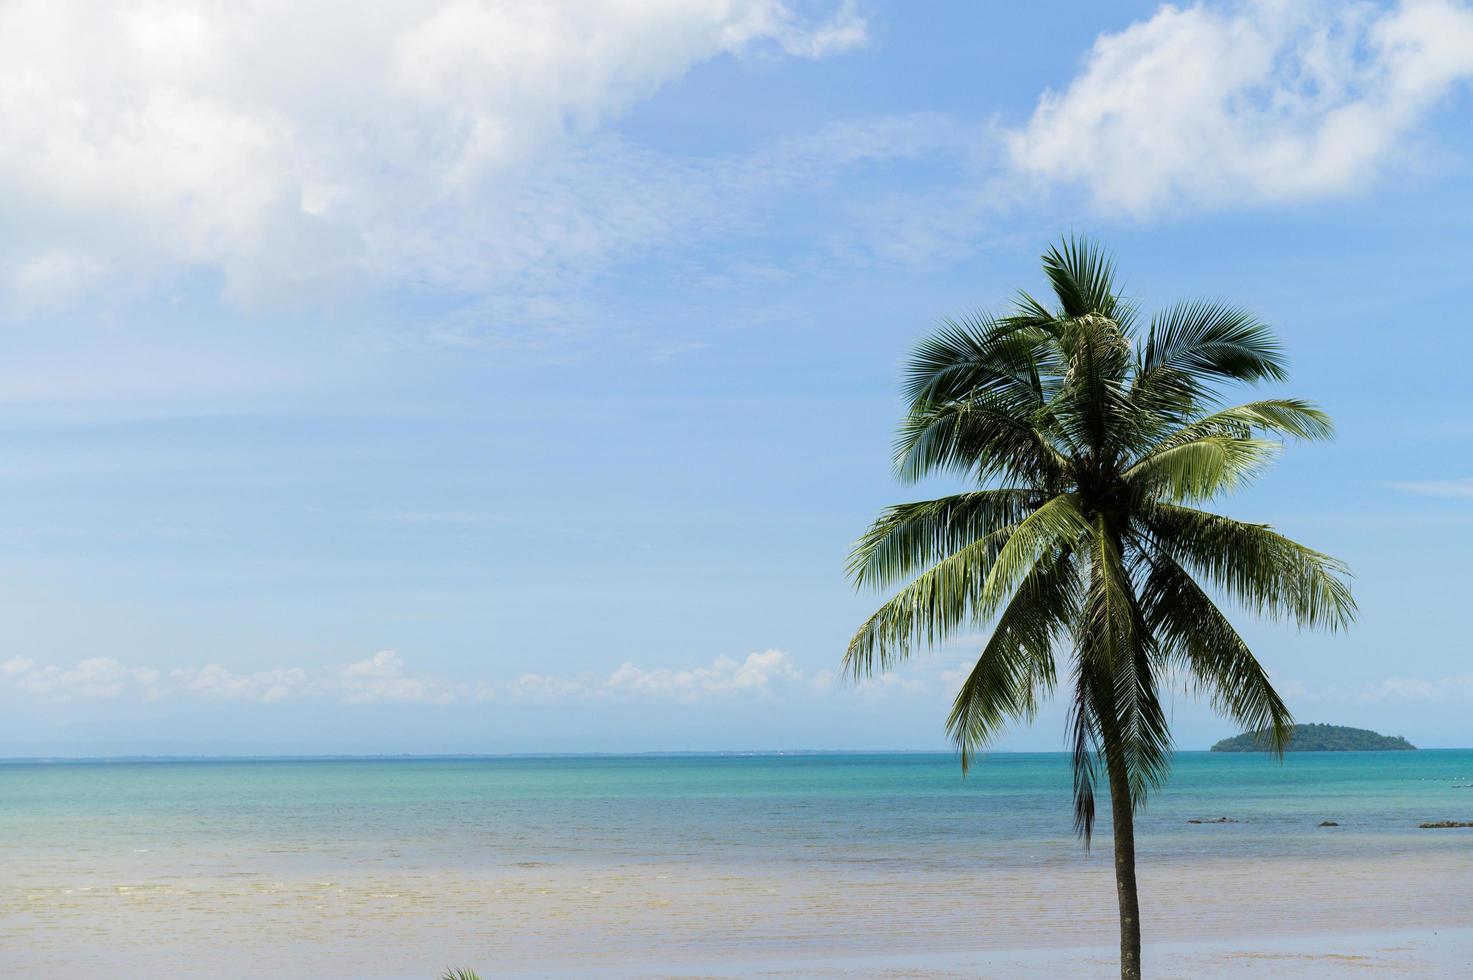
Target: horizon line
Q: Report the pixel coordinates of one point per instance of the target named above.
(653, 753)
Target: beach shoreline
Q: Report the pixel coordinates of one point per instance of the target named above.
(669, 919)
(1406, 953)
(863, 866)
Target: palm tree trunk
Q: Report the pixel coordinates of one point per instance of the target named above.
(1122, 811)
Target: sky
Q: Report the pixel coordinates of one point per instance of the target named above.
(479, 376)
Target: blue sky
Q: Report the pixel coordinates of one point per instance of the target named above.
(496, 377)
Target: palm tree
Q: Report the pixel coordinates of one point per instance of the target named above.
(1089, 438)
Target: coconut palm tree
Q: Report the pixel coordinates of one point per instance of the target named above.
(1090, 441)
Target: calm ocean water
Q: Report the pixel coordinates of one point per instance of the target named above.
(749, 808)
(718, 865)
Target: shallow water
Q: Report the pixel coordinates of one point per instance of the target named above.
(401, 865)
(762, 808)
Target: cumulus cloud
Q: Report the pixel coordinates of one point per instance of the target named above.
(287, 145)
(107, 678)
(1264, 100)
(758, 673)
(382, 678)
(267, 686)
(91, 678)
(385, 678)
(548, 687)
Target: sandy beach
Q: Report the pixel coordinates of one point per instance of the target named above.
(1411, 916)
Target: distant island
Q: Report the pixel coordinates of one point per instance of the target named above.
(1319, 738)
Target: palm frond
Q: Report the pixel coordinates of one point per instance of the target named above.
(1029, 312)
(1084, 729)
(1277, 416)
(1083, 278)
(1202, 468)
(975, 356)
(969, 585)
(909, 537)
(1056, 525)
(1260, 568)
(1114, 642)
(977, 439)
(1195, 636)
(1196, 342)
(928, 609)
(1017, 663)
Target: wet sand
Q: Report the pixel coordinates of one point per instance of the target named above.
(167, 915)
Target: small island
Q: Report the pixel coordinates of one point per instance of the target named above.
(1319, 738)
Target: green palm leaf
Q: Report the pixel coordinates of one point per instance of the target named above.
(1260, 568)
(1017, 664)
(1200, 342)
(907, 538)
(1202, 468)
(1195, 635)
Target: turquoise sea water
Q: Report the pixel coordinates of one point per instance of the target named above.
(716, 865)
(1012, 808)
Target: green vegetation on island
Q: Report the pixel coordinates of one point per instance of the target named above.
(1318, 738)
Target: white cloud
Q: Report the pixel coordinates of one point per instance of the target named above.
(847, 29)
(16, 665)
(289, 145)
(382, 678)
(106, 678)
(386, 678)
(95, 678)
(1456, 489)
(268, 686)
(1456, 688)
(468, 145)
(1263, 100)
(547, 687)
(891, 682)
(760, 674)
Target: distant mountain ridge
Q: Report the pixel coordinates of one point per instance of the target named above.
(1320, 738)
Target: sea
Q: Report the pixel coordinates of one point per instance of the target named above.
(656, 865)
